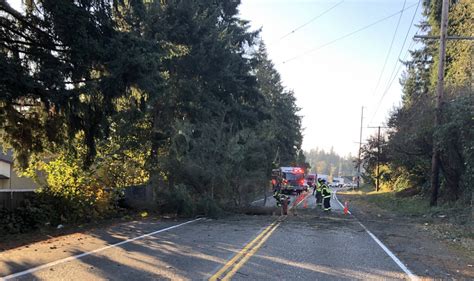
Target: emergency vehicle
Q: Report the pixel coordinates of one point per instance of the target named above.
(289, 180)
(311, 179)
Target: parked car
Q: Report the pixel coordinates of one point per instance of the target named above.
(335, 183)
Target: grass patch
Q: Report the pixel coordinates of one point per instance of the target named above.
(362, 190)
(415, 205)
(387, 200)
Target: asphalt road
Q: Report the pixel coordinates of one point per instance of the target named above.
(308, 244)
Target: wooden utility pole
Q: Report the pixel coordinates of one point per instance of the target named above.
(377, 184)
(439, 103)
(360, 147)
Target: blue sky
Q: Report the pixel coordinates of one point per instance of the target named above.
(333, 83)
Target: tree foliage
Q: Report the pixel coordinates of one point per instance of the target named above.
(408, 148)
(330, 163)
(176, 94)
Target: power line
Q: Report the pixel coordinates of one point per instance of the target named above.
(389, 49)
(348, 34)
(391, 82)
(396, 70)
(392, 78)
(404, 42)
(310, 21)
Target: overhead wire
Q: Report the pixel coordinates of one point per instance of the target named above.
(404, 42)
(348, 34)
(310, 21)
(389, 49)
(392, 80)
(396, 70)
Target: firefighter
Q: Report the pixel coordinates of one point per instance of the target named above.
(282, 201)
(277, 195)
(326, 193)
(277, 191)
(319, 196)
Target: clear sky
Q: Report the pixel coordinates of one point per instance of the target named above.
(331, 84)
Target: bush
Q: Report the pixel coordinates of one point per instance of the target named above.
(177, 200)
(74, 193)
(71, 194)
(29, 216)
(45, 208)
(180, 201)
(208, 207)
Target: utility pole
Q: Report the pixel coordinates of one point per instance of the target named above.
(377, 184)
(439, 103)
(377, 176)
(360, 147)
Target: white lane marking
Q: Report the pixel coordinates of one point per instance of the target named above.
(257, 200)
(386, 250)
(68, 259)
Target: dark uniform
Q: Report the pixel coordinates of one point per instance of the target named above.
(319, 196)
(326, 193)
(277, 191)
(278, 196)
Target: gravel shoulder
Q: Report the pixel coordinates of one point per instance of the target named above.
(421, 242)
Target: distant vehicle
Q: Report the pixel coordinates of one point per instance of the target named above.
(349, 184)
(337, 182)
(311, 179)
(292, 180)
(333, 184)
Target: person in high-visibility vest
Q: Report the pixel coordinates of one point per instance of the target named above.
(318, 190)
(326, 193)
(277, 195)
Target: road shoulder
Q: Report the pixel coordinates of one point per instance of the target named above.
(411, 240)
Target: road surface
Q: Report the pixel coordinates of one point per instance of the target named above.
(308, 244)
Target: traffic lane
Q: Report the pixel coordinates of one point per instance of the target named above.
(317, 245)
(311, 203)
(271, 202)
(43, 252)
(306, 201)
(193, 251)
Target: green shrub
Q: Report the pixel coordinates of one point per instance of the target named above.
(208, 207)
(74, 193)
(27, 217)
(177, 200)
(70, 195)
(180, 201)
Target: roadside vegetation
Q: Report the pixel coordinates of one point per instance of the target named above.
(405, 151)
(409, 205)
(330, 163)
(389, 211)
(96, 96)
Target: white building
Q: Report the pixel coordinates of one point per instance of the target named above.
(13, 188)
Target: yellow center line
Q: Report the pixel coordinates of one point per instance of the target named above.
(234, 264)
(241, 253)
(247, 256)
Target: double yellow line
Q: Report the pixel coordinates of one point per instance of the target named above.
(233, 265)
